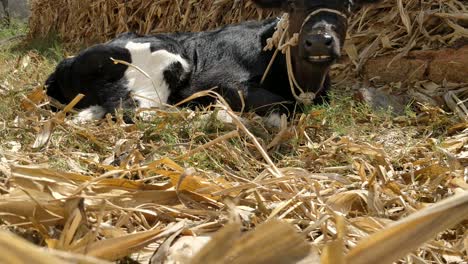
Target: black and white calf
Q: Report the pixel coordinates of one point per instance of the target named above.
(230, 59)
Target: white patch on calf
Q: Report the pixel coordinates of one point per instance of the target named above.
(223, 116)
(350, 5)
(273, 120)
(95, 112)
(148, 92)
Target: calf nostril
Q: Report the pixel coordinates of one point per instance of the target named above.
(308, 43)
(328, 40)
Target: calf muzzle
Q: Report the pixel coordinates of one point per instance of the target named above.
(319, 42)
(319, 48)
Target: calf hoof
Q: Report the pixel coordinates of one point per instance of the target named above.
(222, 116)
(91, 113)
(275, 120)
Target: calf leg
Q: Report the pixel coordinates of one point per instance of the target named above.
(97, 112)
(264, 102)
(269, 105)
(252, 98)
(94, 112)
(258, 100)
(236, 88)
(115, 96)
(109, 96)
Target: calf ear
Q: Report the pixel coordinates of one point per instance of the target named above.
(270, 3)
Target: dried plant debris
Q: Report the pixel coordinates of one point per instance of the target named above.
(164, 190)
(90, 20)
(341, 183)
(399, 26)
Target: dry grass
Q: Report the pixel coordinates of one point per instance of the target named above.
(400, 26)
(110, 190)
(352, 184)
(394, 26)
(93, 21)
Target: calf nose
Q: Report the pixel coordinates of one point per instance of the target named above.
(318, 45)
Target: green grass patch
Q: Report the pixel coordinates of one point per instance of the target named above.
(49, 47)
(345, 116)
(15, 28)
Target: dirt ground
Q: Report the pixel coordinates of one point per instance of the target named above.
(437, 66)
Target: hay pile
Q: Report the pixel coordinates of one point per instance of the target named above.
(400, 26)
(394, 26)
(91, 21)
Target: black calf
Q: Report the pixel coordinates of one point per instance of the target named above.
(167, 68)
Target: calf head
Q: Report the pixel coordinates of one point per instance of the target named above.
(322, 26)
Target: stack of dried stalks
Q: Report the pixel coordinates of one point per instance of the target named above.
(400, 26)
(394, 26)
(91, 21)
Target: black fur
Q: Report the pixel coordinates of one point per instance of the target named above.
(229, 60)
